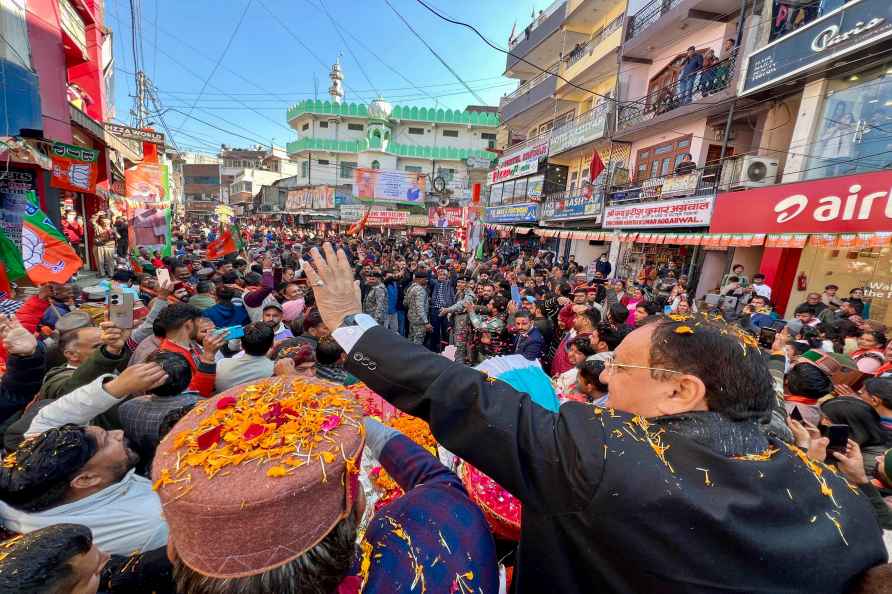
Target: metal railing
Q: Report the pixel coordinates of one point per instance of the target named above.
(649, 15)
(540, 18)
(525, 87)
(699, 182)
(702, 83)
(586, 49)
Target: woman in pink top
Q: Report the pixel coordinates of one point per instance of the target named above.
(635, 298)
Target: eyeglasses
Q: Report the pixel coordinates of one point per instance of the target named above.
(610, 366)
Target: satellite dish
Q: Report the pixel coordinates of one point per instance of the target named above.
(443, 201)
(439, 184)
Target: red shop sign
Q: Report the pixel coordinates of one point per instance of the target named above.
(848, 204)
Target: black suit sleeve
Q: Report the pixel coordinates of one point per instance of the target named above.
(549, 461)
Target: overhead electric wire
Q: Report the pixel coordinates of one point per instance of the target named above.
(348, 48)
(477, 97)
(222, 55)
(369, 50)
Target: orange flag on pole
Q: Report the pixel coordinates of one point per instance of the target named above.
(357, 227)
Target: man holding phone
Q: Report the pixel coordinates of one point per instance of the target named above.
(179, 321)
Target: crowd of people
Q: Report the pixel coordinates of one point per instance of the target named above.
(209, 447)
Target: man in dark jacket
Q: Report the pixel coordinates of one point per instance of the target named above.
(671, 477)
(529, 341)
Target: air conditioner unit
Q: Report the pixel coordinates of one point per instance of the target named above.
(749, 171)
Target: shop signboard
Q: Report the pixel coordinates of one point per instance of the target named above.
(134, 133)
(444, 217)
(478, 162)
(513, 213)
(578, 206)
(14, 188)
(386, 185)
(855, 25)
(679, 185)
(318, 198)
(378, 217)
(687, 212)
(847, 204)
(586, 128)
(519, 163)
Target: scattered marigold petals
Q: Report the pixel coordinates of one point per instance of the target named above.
(226, 402)
(684, 330)
(209, 438)
(328, 457)
(277, 471)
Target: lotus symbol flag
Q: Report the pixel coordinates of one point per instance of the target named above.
(79, 175)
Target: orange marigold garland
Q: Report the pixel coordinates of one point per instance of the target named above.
(268, 421)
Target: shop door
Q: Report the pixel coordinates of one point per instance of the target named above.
(713, 164)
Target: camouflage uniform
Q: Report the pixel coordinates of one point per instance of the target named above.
(375, 303)
(462, 333)
(416, 301)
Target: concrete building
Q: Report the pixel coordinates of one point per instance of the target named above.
(335, 138)
(244, 171)
(201, 189)
(555, 120)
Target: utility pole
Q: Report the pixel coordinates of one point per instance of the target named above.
(141, 110)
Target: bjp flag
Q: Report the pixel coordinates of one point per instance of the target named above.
(11, 265)
(75, 168)
(46, 254)
(225, 244)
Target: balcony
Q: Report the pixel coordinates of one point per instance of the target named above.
(588, 127)
(590, 62)
(697, 184)
(75, 32)
(572, 205)
(530, 99)
(703, 92)
(660, 20)
(538, 42)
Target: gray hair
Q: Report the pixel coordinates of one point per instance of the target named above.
(318, 571)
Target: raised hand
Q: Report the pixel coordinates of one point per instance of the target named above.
(16, 339)
(331, 278)
(136, 379)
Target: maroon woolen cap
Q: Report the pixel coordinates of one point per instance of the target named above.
(242, 521)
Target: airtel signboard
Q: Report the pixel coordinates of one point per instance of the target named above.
(848, 204)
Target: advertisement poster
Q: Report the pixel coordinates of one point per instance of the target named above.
(444, 217)
(147, 198)
(690, 212)
(570, 207)
(14, 188)
(147, 184)
(319, 198)
(389, 185)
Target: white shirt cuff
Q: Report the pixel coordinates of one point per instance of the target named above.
(348, 336)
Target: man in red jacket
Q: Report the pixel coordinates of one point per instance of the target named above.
(180, 322)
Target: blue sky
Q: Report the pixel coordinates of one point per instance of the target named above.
(266, 69)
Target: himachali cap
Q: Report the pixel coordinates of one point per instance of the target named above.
(255, 477)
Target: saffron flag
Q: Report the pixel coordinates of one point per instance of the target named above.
(75, 168)
(225, 244)
(11, 265)
(356, 228)
(46, 254)
(595, 167)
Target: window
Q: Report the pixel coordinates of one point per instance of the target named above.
(376, 164)
(853, 133)
(304, 168)
(323, 124)
(418, 131)
(413, 168)
(305, 127)
(573, 176)
(450, 133)
(487, 136)
(347, 168)
(446, 174)
(322, 161)
(661, 159)
(357, 127)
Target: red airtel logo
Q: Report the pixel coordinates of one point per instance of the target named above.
(834, 208)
